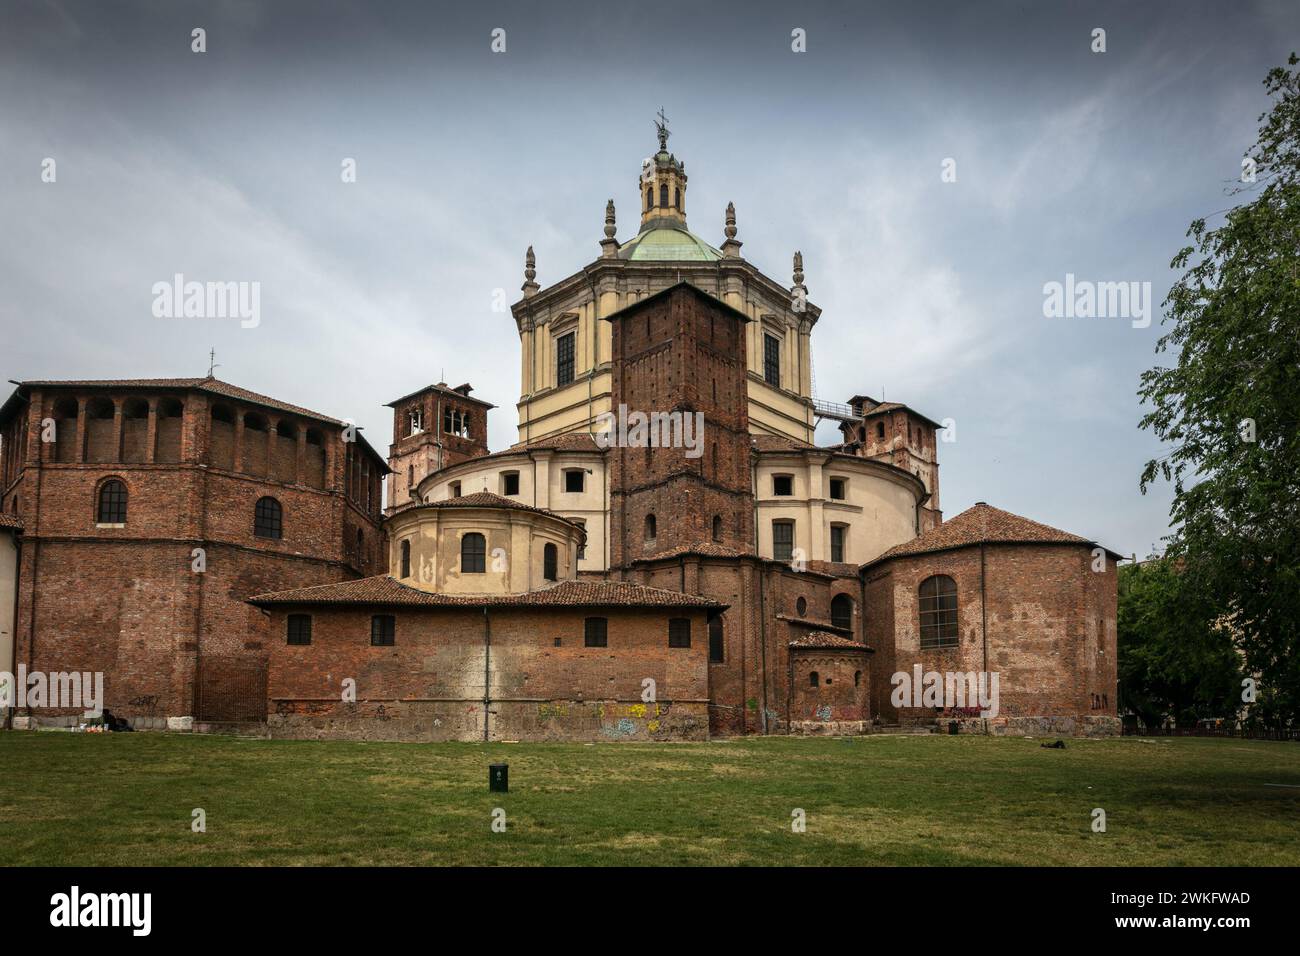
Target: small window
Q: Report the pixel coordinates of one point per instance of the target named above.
(857, 678)
(564, 359)
(595, 632)
(299, 629)
(782, 485)
(550, 560)
(880, 430)
(453, 490)
(663, 194)
(574, 481)
(473, 554)
(938, 612)
(415, 422)
(801, 607)
(837, 489)
(383, 630)
(813, 679)
(651, 528)
(268, 519)
(112, 503)
(782, 540)
(772, 360)
(510, 483)
(717, 527)
(716, 643)
(842, 610)
(406, 558)
(679, 632)
(410, 480)
(837, 542)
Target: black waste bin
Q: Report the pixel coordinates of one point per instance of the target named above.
(953, 728)
(499, 777)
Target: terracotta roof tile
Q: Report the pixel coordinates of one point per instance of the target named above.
(982, 523)
(831, 641)
(384, 590)
(705, 549)
(11, 521)
(479, 499)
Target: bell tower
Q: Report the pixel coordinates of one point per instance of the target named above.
(663, 183)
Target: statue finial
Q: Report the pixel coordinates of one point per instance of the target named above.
(661, 125)
(798, 268)
(730, 229)
(731, 245)
(610, 228)
(530, 272)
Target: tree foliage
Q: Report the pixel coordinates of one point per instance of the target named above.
(1230, 406)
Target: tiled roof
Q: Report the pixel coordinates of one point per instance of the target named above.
(480, 499)
(982, 523)
(705, 548)
(383, 589)
(213, 385)
(460, 392)
(823, 640)
(11, 521)
(780, 443)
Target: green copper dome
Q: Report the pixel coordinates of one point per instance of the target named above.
(667, 242)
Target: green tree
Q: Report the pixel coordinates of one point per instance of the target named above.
(1230, 407)
(1176, 659)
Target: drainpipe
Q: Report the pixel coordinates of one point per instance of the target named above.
(487, 671)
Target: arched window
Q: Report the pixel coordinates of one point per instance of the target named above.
(649, 198)
(813, 680)
(406, 558)
(267, 519)
(842, 610)
(112, 503)
(663, 195)
(550, 561)
(717, 527)
(473, 554)
(651, 528)
(857, 678)
(938, 612)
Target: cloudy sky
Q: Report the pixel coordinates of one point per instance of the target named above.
(225, 165)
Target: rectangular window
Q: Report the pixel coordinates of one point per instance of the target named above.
(772, 360)
(582, 548)
(416, 421)
(510, 483)
(299, 628)
(564, 359)
(383, 630)
(837, 489)
(573, 480)
(715, 641)
(837, 542)
(596, 632)
(782, 485)
(453, 490)
(679, 632)
(782, 540)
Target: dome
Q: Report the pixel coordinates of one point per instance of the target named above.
(667, 242)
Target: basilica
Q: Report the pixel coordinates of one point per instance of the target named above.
(664, 553)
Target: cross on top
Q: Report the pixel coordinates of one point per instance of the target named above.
(661, 125)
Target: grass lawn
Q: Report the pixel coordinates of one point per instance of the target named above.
(126, 799)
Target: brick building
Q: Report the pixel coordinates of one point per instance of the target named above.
(150, 509)
(665, 553)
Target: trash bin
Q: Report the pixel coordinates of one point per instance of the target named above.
(953, 728)
(499, 778)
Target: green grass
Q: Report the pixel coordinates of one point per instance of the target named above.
(126, 799)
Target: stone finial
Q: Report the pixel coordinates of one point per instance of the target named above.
(731, 245)
(530, 272)
(798, 268)
(609, 245)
